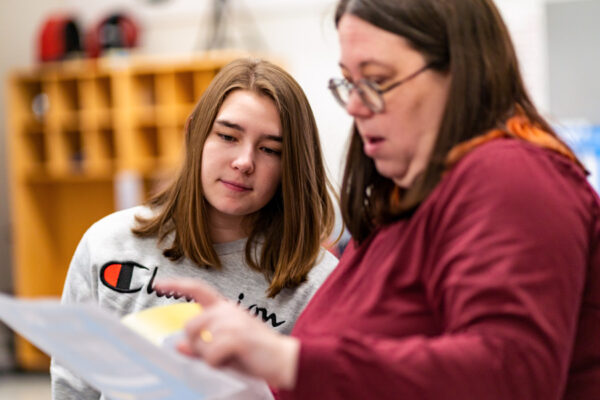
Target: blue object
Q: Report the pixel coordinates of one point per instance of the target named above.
(584, 140)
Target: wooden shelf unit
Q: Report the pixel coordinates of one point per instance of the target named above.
(72, 127)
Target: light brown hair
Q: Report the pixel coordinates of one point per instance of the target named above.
(300, 214)
(466, 38)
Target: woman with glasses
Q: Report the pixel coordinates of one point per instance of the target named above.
(474, 270)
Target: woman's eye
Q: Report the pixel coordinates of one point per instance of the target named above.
(271, 151)
(226, 138)
(377, 80)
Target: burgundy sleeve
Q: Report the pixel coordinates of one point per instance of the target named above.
(509, 252)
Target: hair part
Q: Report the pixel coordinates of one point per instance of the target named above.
(469, 40)
(292, 226)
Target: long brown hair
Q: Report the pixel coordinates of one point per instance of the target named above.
(466, 38)
(296, 220)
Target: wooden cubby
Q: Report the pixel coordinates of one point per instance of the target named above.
(73, 127)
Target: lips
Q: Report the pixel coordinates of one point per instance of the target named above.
(235, 186)
(371, 144)
(373, 139)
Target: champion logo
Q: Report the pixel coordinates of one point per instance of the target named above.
(121, 276)
(131, 277)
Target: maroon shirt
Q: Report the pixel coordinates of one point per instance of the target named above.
(477, 296)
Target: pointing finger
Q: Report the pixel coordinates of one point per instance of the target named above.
(191, 288)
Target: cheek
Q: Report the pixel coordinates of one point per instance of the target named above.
(210, 157)
(411, 112)
(273, 176)
(204, 170)
(408, 122)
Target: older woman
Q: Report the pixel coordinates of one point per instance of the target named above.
(474, 271)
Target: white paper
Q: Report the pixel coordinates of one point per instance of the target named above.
(117, 361)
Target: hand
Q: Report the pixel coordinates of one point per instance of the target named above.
(235, 338)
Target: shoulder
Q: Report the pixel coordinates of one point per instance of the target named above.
(511, 167)
(324, 265)
(516, 187)
(516, 157)
(118, 224)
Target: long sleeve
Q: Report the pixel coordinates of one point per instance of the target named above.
(79, 287)
(508, 243)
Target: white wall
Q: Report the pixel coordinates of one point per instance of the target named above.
(574, 60)
(526, 20)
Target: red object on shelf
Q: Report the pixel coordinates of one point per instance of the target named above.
(58, 38)
(116, 31)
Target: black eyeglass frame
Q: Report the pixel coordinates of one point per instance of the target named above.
(335, 83)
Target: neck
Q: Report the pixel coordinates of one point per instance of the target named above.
(225, 229)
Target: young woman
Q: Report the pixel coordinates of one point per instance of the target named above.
(474, 271)
(247, 213)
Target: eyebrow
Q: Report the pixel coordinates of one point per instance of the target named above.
(368, 63)
(238, 127)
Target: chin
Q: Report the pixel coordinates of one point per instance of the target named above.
(236, 212)
(233, 210)
(390, 173)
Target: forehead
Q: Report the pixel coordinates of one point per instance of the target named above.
(362, 43)
(251, 111)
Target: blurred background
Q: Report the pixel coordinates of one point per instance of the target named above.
(79, 76)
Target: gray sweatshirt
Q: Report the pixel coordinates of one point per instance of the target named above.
(116, 269)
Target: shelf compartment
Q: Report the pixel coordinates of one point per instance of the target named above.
(144, 90)
(32, 125)
(104, 92)
(72, 149)
(68, 95)
(30, 98)
(184, 87)
(35, 150)
(147, 146)
(100, 149)
(107, 147)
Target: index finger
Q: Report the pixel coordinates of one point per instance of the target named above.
(191, 288)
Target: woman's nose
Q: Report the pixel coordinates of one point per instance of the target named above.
(244, 161)
(356, 107)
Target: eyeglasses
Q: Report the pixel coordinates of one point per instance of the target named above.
(370, 93)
